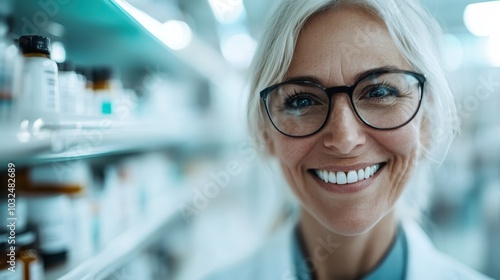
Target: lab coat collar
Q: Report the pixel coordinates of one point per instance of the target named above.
(424, 260)
(275, 260)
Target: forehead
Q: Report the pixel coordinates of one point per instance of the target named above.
(339, 44)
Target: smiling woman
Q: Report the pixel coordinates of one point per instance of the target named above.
(352, 99)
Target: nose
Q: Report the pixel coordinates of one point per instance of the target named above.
(344, 132)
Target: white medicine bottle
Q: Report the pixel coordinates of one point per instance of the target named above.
(39, 93)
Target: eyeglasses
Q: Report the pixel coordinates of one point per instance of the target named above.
(385, 99)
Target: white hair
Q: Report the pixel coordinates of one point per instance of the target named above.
(414, 31)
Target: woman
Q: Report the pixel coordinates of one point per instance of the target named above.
(350, 97)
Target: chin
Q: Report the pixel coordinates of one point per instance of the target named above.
(349, 223)
(352, 227)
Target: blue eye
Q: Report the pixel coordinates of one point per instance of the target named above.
(381, 91)
(299, 101)
(302, 102)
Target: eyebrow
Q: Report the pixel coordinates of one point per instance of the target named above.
(368, 72)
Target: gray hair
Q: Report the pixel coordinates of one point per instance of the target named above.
(414, 31)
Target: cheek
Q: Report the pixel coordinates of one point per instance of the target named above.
(403, 148)
(403, 142)
(291, 153)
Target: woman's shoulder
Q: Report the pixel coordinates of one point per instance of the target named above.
(270, 262)
(426, 262)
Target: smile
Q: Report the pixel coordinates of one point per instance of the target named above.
(349, 177)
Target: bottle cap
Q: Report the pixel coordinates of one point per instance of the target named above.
(34, 44)
(101, 74)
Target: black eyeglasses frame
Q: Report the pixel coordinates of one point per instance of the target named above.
(349, 90)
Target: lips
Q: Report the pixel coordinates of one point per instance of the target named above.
(349, 176)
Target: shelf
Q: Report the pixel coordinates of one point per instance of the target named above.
(76, 137)
(107, 37)
(123, 248)
(115, 37)
(16, 142)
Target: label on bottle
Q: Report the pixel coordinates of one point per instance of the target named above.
(50, 215)
(17, 274)
(50, 91)
(40, 89)
(53, 232)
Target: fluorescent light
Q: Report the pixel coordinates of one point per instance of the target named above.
(174, 34)
(227, 11)
(482, 19)
(178, 34)
(196, 53)
(494, 50)
(239, 50)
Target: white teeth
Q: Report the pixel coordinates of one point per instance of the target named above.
(352, 176)
(368, 172)
(341, 178)
(331, 177)
(361, 174)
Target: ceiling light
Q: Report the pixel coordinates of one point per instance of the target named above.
(227, 11)
(178, 34)
(239, 50)
(482, 19)
(175, 34)
(494, 50)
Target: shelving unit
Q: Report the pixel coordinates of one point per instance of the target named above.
(95, 33)
(83, 138)
(121, 249)
(94, 137)
(101, 33)
(14, 147)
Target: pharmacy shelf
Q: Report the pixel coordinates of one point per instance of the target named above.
(109, 37)
(13, 146)
(120, 36)
(64, 138)
(122, 249)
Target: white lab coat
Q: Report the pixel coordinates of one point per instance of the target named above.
(274, 261)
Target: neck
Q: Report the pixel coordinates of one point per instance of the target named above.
(346, 257)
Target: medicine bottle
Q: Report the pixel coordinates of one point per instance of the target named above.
(86, 76)
(49, 215)
(29, 256)
(103, 90)
(57, 209)
(39, 93)
(71, 89)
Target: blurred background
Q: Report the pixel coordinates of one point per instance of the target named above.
(129, 149)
